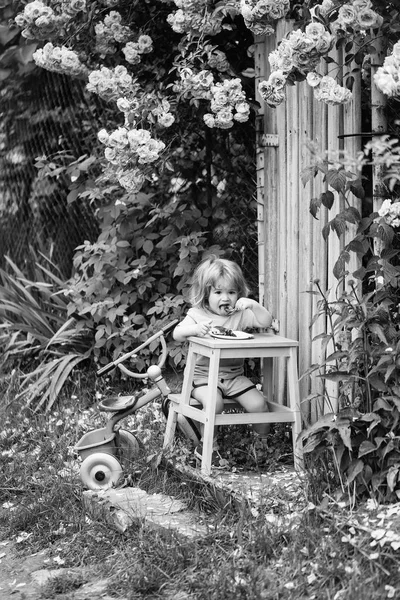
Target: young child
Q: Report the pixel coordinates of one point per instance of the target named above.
(218, 295)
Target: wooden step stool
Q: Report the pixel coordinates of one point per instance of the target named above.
(264, 345)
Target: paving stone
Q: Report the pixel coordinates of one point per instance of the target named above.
(122, 507)
(16, 572)
(43, 576)
(93, 589)
(23, 578)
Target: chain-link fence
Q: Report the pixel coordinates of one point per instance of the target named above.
(239, 235)
(42, 118)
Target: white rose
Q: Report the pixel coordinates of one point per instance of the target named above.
(123, 104)
(110, 154)
(385, 82)
(165, 119)
(103, 136)
(367, 18)
(347, 14)
(396, 50)
(277, 80)
(313, 79)
(242, 107)
(209, 120)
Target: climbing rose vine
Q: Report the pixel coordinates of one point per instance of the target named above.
(299, 54)
(204, 70)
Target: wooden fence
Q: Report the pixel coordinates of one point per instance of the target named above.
(292, 251)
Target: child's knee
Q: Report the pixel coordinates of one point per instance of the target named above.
(260, 406)
(203, 398)
(219, 406)
(257, 403)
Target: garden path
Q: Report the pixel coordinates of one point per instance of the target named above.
(24, 578)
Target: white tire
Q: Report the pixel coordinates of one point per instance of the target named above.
(100, 471)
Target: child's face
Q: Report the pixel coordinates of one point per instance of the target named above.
(222, 296)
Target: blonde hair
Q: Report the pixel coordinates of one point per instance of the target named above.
(206, 275)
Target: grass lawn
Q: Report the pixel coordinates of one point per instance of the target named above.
(320, 548)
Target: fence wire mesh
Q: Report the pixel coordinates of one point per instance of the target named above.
(34, 213)
(239, 235)
(50, 115)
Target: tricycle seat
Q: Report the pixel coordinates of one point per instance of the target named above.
(115, 403)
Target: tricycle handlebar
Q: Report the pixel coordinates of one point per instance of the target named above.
(162, 332)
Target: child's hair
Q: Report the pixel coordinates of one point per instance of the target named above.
(208, 272)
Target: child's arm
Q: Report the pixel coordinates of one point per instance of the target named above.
(262, 315)
(189, 327)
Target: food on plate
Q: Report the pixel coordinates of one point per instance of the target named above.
(219, 330)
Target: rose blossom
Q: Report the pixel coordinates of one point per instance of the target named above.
(209, 120)
(347, 14)
(314, 79)
(368, 18)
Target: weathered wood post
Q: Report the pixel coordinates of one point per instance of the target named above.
(379, 127)
(292, 251)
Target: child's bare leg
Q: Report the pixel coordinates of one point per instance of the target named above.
(201, 394)
(253, 401)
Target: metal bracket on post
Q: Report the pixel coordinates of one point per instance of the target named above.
(269, 140)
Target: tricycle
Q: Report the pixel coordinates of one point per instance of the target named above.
(104, 451)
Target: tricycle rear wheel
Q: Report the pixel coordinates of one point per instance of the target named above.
(128, 446)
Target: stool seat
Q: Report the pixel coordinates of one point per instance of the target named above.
(264, 345)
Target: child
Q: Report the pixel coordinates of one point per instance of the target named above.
(218, 295)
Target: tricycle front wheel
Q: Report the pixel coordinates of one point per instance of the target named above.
(100, 471)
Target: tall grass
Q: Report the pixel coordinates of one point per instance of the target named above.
(37, 335)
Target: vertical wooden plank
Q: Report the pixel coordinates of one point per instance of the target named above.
(292, 210)
(283, 28)
(319, 253)
(352, 145)
(305, 245)
(272, 195)
(260, 74)
(335, 245)
(268, 195)
(378, 124)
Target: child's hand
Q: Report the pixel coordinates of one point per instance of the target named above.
(203, 328)
(263, 317)
(244, 303)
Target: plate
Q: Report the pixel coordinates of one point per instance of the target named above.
(239, 335)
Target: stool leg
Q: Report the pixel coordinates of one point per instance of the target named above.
(170, 426)
(267, 370)
(188, 376)
(183, 399)
(294, 402)
(209, 425)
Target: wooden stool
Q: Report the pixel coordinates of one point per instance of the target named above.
(264, 345)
